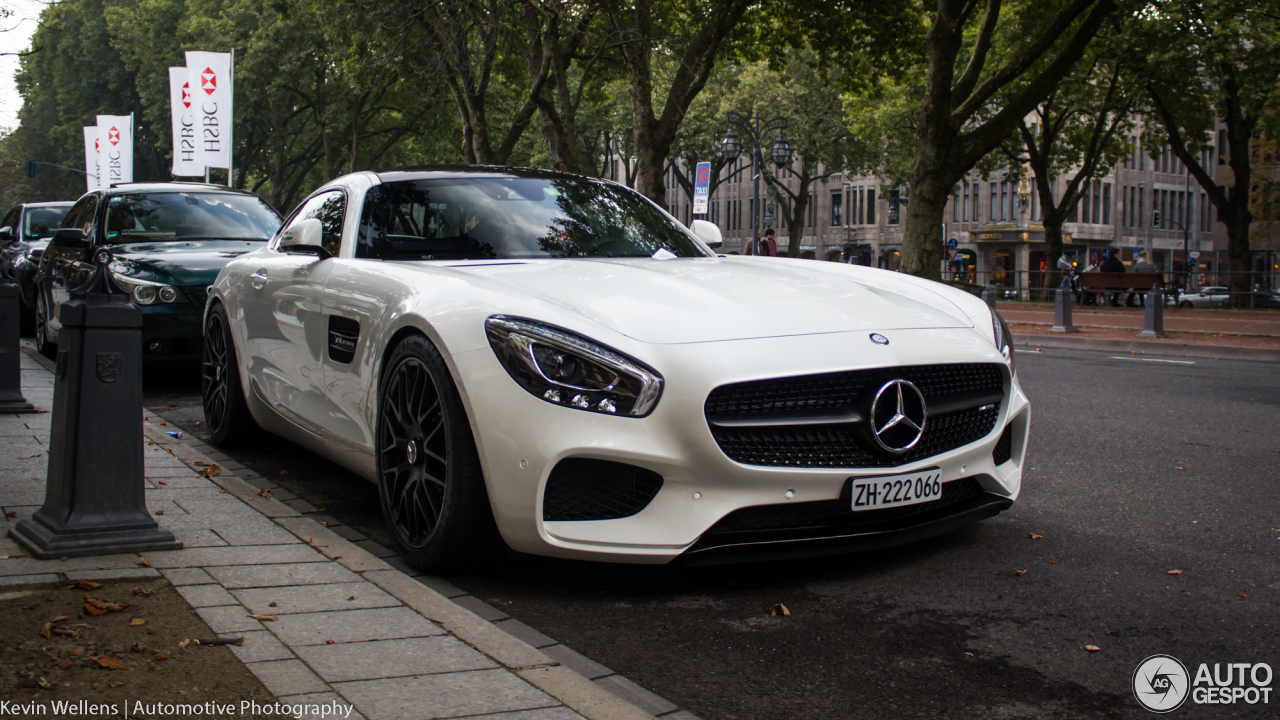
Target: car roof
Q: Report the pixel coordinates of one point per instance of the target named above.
(144, 187)
(426, 172)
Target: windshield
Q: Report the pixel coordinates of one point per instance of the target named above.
(514, 218)
(159, 217)
(40, 222)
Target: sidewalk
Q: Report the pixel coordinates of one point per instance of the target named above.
(348, 626)
(1218, 333)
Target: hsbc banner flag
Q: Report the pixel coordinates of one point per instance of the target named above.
(91, 157)
(210, 77)
(182, 104)
(115, 149)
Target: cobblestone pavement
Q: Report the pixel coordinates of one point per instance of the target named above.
(350, 624)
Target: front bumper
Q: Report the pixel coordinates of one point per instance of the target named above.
(172, 333)
(521, 439)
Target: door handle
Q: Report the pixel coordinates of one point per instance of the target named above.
(258, 279)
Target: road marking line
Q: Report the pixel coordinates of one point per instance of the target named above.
(1178, 362)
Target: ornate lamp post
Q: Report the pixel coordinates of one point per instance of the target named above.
(731, 148)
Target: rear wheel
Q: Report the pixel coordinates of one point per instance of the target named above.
(46, 348)
(429, 479)
(225, 412)
(1184, 304)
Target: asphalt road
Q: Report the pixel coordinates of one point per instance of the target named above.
(1136, 467)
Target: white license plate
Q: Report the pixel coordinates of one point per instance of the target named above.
(896, 490)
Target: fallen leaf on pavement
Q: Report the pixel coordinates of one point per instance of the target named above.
(59, 618)
(45, 684)
(337, 557)
(136, 622)
(162, 482)
(135, 648)
(159, 656)
(264, 617)
(211, 471)
(184, 644)
(110, 662)
(324, 524)
(284, 472)
(1179, 468)
(94, 606)
(316, 510)
(76, 652)
(265, 492)
(308, 539)
(328, 642)
(1174, 572)
(11, 514)
(47, 631)
(104, 567)
(158, 512)
(143, 561)
(202, 464)
(114, 684)
(353, 597)
(1092, 648)
(780, 609)
(1020, 573)
(142, 591)
(66, 665)
(1035, 536)
(84, 585)
(1243, 595)
(273, 603)
(28, 457)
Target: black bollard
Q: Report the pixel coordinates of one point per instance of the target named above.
(989, 296)
(1062, 309)
(11, 399)
(1154, 325)
(95, 500)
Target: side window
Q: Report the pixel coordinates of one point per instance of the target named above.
(81, 215)
(329, 208)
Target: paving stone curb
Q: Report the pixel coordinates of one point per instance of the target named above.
(223, 583)
(1150, 347)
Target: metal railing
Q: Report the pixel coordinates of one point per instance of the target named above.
(1206, 289)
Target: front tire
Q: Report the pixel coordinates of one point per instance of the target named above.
(226, 413)
(46, 348)
(429, 479)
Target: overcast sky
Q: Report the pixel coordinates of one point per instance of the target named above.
(15, 38)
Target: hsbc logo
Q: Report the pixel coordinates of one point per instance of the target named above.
(186, 95)
(208, 81)
(113, 136)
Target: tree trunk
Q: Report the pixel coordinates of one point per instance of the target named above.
(1241, 260)
(922, 239)
(1052, 251)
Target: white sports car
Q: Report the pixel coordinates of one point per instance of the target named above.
(558, 357)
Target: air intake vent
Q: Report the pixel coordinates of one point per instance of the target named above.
(1004, 447)
(585, 489)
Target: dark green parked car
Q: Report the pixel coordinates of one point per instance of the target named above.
(169, 240)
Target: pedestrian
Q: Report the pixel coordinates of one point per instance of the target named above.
(1113, 264)
(767, 244)
(1141, 265)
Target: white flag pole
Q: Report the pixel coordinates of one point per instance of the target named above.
(231, 127)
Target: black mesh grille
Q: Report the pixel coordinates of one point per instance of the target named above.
(584, 489)
(845, 444)
(344, 333)
(1004, 447)
(833, 518)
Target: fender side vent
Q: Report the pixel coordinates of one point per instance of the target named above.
(585, 489)
(344, 333)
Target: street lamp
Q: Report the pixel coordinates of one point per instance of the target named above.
(731, 149)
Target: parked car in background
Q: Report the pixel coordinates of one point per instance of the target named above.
(1213, 296)
(169, 241)
(559, 357)
(24, 232)
(1266, 299)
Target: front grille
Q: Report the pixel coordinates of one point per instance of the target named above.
(965, 397)
(1004, 447)
(585, 489)
(833, 518)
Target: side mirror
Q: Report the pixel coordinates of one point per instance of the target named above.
(6, 235)
(305, 238)
(708, 233)
(72, 238)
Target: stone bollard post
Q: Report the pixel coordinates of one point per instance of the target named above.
(1154, 325)
(11, 399)
(95, 500)
(1062, 309)
(989, 296)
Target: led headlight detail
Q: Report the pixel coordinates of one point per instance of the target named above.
(1004, 339)
(145, 292)
(568, 370)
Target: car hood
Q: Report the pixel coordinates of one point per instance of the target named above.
(195, 262)
(716, 299)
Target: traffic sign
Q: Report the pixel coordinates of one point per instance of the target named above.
(701, 187)
(952, 244)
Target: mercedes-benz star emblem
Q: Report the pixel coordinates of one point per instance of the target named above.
(898, 416)
(879, 339)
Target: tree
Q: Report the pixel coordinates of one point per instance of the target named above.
(1215, 59)
(692, 35)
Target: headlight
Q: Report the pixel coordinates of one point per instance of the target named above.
(569, 370)
(145, 292)
(1004, 339)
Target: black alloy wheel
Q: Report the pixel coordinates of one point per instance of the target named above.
(429, 479)
(222, 396)
(46, 348)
